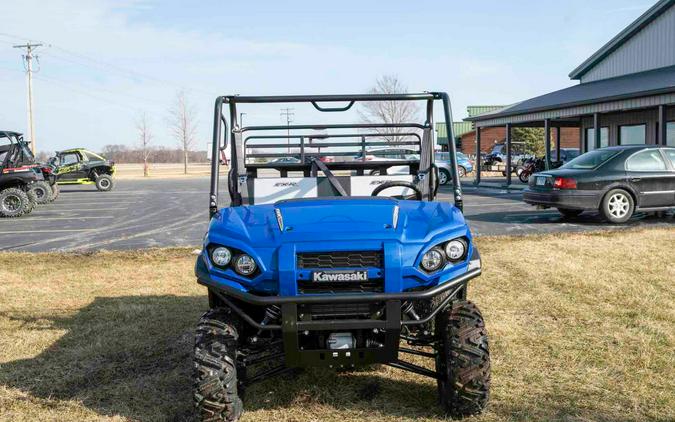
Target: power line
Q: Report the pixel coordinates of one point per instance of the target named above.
(28, 59)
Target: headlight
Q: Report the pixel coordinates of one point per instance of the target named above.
(455, 249)
(245, 265)
(221, 256)
(432, 260)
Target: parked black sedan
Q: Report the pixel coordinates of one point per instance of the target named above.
(617, 181)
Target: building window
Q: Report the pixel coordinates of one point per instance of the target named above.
(590, 138)
(670, 134)
(632, 135)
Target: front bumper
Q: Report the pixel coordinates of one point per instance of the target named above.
(569, 199)
(295, 323)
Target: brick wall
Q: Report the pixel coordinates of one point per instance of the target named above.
(569, 138)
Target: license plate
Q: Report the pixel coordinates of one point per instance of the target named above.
(541, 181)
(339, 276)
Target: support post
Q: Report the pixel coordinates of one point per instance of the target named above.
(547, 144)
(508, 154)
(596, 130)
(557, 143)
(478, 157)
(661, 138)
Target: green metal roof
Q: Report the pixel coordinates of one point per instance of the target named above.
(480, 109)
(461, 128)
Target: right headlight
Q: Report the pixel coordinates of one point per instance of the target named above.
(221, 256)
(455, 249)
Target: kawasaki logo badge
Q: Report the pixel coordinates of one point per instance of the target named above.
(327, 276)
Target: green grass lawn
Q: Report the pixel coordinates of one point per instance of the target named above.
(582, 328)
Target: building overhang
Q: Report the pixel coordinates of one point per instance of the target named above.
(628, 92)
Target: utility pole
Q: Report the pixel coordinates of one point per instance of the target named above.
(287, 112)
(28, 58)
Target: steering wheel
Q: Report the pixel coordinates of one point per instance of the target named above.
(399, 183)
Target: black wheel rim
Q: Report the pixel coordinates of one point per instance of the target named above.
(39, 192)
(11, 203)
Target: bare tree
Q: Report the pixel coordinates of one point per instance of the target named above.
(389, 111)
(144, 140)
(183, 125)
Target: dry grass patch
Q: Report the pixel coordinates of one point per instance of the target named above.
(582, 328)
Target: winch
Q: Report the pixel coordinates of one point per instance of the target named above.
(340, 341)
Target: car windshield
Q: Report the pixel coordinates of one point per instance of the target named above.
(591, 160)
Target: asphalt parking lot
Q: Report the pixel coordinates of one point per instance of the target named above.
(173, 212)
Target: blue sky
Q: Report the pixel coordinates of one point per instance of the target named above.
(110, 60)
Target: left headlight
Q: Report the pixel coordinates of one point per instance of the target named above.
(432, 260)
(245, 265)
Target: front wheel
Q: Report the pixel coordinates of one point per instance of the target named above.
(524, 176)
(463, 360)
(104, 183)
(617, 206)
(55, 192)
(216, 395)
(43, 192)
(443, 176)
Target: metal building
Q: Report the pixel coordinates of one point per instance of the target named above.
(625, 95)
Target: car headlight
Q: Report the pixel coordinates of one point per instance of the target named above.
(455, 249)
(432, 260)
(221, 256)
(245, 265)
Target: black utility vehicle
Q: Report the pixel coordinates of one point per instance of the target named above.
(78, 166)
(617, 181)
(17, 178)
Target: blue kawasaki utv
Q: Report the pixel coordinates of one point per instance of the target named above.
(316, 262)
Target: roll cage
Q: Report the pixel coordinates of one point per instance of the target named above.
(16, 151)
(249, 146)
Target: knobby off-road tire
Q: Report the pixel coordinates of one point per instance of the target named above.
(55, 192)
(215, 370)
(463, 360)
(104, 182)
(32, 201)
(43, 192)
(14, 203)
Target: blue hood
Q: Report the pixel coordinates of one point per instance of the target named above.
(309, 220)
(335, 224)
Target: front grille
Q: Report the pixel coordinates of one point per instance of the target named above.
(370, 286)
(353, 259)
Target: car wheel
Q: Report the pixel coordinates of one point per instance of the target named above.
(566, 212)
(43, 192)
(55, 192)
(617, 206)
(14, 203)
(443, 176)
(104, 183)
